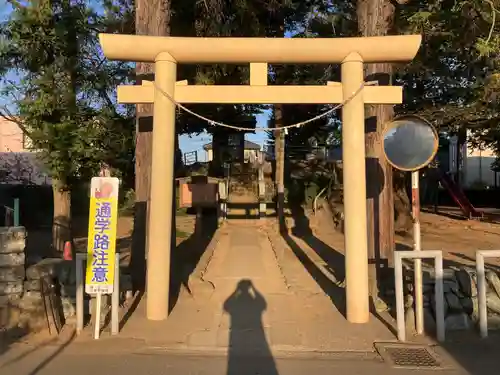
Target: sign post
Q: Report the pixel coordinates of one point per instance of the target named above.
(410, 143)
(415, 209)
(101, 247)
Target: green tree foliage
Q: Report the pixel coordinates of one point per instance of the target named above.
(454, 79)
(65, 98)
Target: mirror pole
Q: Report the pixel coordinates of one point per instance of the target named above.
(419, 302)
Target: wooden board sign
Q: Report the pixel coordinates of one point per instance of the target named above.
(197, 195)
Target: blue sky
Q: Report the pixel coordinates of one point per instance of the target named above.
(4, 9)
(187, 143)
(196, 143)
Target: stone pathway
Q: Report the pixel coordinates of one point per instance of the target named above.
(245, 254)
(263, 299)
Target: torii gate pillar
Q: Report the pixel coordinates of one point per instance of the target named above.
(162, 189)
(353, 166)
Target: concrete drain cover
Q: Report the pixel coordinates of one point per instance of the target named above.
(409, 356)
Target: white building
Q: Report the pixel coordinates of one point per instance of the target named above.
(250, 152)
(475, 169)
(18, 163)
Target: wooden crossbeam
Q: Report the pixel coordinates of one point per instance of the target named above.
(260, 94)
(258, 74)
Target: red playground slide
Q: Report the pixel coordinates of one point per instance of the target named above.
(459, 197)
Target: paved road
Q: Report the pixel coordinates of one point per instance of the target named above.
(53, 361)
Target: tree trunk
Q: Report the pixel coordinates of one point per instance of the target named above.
(279, 154)
(61, 225)
(375, 18)
(152, 18)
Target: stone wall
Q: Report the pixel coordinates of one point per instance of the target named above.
(12, 273)
(61, 275)
(460, 299)
(21, 298)
(21, 302)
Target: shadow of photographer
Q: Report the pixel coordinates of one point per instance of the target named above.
(247, 337)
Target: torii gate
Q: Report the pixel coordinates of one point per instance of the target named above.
(167, 52)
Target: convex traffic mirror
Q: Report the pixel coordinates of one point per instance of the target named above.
(410, 143)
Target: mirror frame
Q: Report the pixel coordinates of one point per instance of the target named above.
(391, 125)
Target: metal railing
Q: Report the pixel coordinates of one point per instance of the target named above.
(330, 153)
(438, 289)
(481, 288)
(11, 214)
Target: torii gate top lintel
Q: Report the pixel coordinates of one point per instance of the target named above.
(188, 50)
